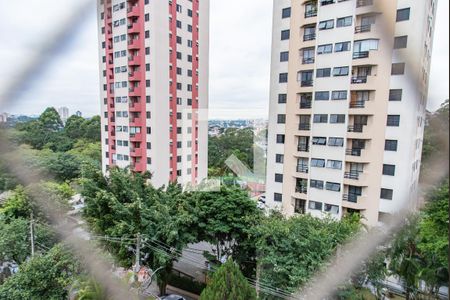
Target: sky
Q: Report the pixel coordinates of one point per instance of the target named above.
(240, 45)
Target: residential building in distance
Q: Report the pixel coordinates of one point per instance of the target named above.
(349, 85)
(154, 60)
(63, 113)
(4, 117)
(79, 114)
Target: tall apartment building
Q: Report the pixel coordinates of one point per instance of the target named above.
(154, 60)
(348, 94)
(63, 113)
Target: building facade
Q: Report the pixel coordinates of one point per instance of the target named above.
(63, 113)
(154, 60)
(349, 85)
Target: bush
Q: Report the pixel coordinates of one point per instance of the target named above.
(186, 284)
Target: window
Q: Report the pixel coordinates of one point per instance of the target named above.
(393, 120)
(391, 145)
(318, 163)
(307, 55)
(322, 96)
(284, 56)
(282, 98)
(320, 118)
(283, 78)
(329, 24)
(286, 13)
(334, 164)
(341, 71)
(332, 209)
(387, 194)
(280, 138)
(365, 45)
(337, 119)
(313, 205)
(339, 95)
(389, 170)
(395, 95)
(279, 158)
(323, 72)
(332, 186)
(344, 22)
(401, 42)
(341, 47)
(279, 178)
(323, 49)
(398, 69)
(277, 197)
(285, 34)
(319, 141)
(403, 14)
(335, 142)
(316, 184)
(281, 119)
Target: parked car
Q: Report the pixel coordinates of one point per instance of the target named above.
(173, 297)
(262, 199)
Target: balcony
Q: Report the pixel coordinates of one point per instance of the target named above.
(358, 128)
(354, 201)
(352, 175)
(304, 127)
(303, 148)
(133, 11)
(137, 167)
(363, 28)
(354, 152)
(361, 54)
(309, 37)
(359, 79)
(136, 152)
(135, 107)
(134, 44)
(308, 60)
(135, 137)
(134, 76)
(306, 83)
(303, 169)
(358, 104)
(301, 189)
(134, 92)
(300, 206)
(133, 28)
(134, 60)
(305, 104)
(311, 13)
(136, 121)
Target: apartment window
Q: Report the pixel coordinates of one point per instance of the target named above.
(280, 138)
(279, 158)
(387, 194)
(189, 13)
(328, 24)
(398, 69)
(341, 47)
(313, 205)
(285, 34)
(341, 71)
(286, 13)
(393, 120)
(319, 141)
(334, 164)
(323, 49)
(332, 209)
(189, 28)
(179, 40)
(391, 145)
(284, 56)
(282, 98)
(316, 184)
(339, 95)
(389, 170)
(279, 178)
(332, 186)
(322, 96)
(344, 22)
(403, 14)
(308, 55)
(401, 42)
(179, 55)
(318, 163)
(283, 78)
(281, 119)
(305, 78)
(326, 72)
(277, 197)
(335, 142)
(395, 95)
(337, 119)
(320, 118)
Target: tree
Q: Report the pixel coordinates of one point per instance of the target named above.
(228, 283)
(44, 277)
(88, 289)
(17, 205)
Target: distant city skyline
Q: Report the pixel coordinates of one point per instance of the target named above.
(240, 59)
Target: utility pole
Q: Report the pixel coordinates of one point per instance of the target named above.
(32, 234)
(137, 266)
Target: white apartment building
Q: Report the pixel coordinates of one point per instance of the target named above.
(154, 61)
(63, 113)
(349, 86)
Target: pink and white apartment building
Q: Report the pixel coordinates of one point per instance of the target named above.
(154, 60)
